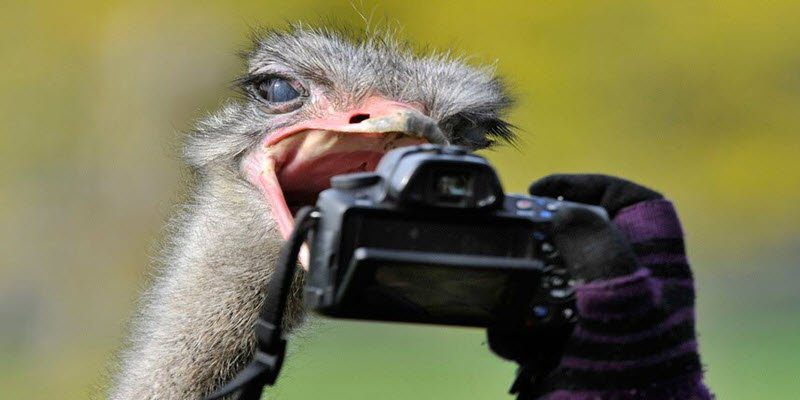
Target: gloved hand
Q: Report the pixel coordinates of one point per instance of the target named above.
(635, 336)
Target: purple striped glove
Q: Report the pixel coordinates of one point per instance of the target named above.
(635, 336)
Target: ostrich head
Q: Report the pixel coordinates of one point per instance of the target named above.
(317, 104)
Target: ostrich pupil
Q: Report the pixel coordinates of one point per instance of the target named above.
(277, 91)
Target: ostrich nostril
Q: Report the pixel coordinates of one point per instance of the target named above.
(356, 118)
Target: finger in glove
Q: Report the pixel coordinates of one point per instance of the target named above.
(609, 192)
(591, 247)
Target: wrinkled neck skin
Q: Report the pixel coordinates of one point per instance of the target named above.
(194, 329)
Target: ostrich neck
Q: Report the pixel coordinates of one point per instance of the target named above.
(194, 329)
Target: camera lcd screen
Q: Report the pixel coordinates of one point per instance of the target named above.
(408, 286)
(438, 292)
(434, 267)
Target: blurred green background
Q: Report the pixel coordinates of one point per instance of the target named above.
(699, 99)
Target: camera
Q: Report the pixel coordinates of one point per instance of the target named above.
(430, 237)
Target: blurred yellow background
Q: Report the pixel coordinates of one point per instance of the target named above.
(699, 99)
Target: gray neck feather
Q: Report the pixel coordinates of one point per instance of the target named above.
(184, 344)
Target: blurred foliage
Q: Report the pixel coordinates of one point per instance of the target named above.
(698, 99)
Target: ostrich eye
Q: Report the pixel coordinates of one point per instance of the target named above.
(276, 90)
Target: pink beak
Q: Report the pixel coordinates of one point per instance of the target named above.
(294, 163)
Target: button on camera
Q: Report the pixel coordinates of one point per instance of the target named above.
(553, 256)
(524, 204)
(557, 281)
(540, 312)
(562, 293)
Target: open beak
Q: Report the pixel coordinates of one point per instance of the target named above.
(293, 164)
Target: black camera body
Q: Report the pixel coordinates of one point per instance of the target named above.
(430, 237)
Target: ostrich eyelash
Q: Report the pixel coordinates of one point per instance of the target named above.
(500, 129)
(246, 81)
(481, 133)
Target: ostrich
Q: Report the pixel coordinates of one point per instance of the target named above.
(317, 103)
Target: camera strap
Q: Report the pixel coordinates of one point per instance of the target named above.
(263, 370)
